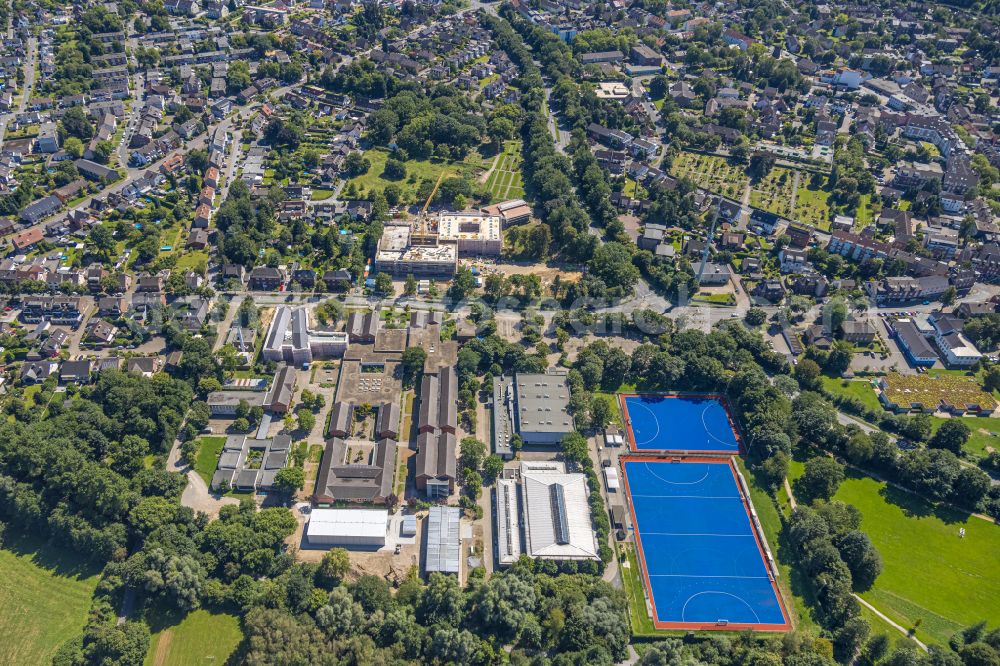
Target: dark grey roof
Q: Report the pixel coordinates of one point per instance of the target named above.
(338, 479)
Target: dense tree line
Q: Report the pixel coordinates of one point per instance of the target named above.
(545, 170)
(310, 617)
(245, 225)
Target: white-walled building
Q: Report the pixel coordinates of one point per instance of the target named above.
(290, 340)
(348, 527)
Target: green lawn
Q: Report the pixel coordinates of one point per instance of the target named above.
(867, 211)
(208, 457)
(45, 594)
(853, 388)
(715, 299)
(320, 194)
(505, 181)
(416, 171)
(929, 572)
(985, 434)
(612, 400)
(642, 623)
(201, 637)
(192, 261)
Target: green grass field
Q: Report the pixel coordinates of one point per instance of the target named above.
(616, 410)
(45, 594)
(929, 572)
(642, 623)
(793, 590)
(192, 261)
(208, 457)
(715, 299)
(416, 171)
(984, 437)
(853, 388)
(201, 637)
(867, 211)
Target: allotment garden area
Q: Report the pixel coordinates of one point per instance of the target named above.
(505, 181)
(790, 193)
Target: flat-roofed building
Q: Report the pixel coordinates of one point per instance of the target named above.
(544, 514)
(475, 234)
(541, 407)
(366, 528)
(503, 423)
(226, 402)
(396, 255)
(443, 553)
(289, 338)
(508, 517)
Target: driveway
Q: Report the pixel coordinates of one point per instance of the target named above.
(197, 496)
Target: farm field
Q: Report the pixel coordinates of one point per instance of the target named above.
(711, 172)
(774, 192)
(505, 181)
(416, 172)
(919, 543)
(201, 637)
(812, 204)
(45, 594)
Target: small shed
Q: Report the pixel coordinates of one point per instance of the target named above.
(611, 479)
(409, 527)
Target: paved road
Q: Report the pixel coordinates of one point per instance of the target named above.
(30, 67)
(560, 136)
(197, 496)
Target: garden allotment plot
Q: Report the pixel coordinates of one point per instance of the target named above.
(688, 424)
(703, 563)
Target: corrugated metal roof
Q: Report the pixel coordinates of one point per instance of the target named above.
(443, 543)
